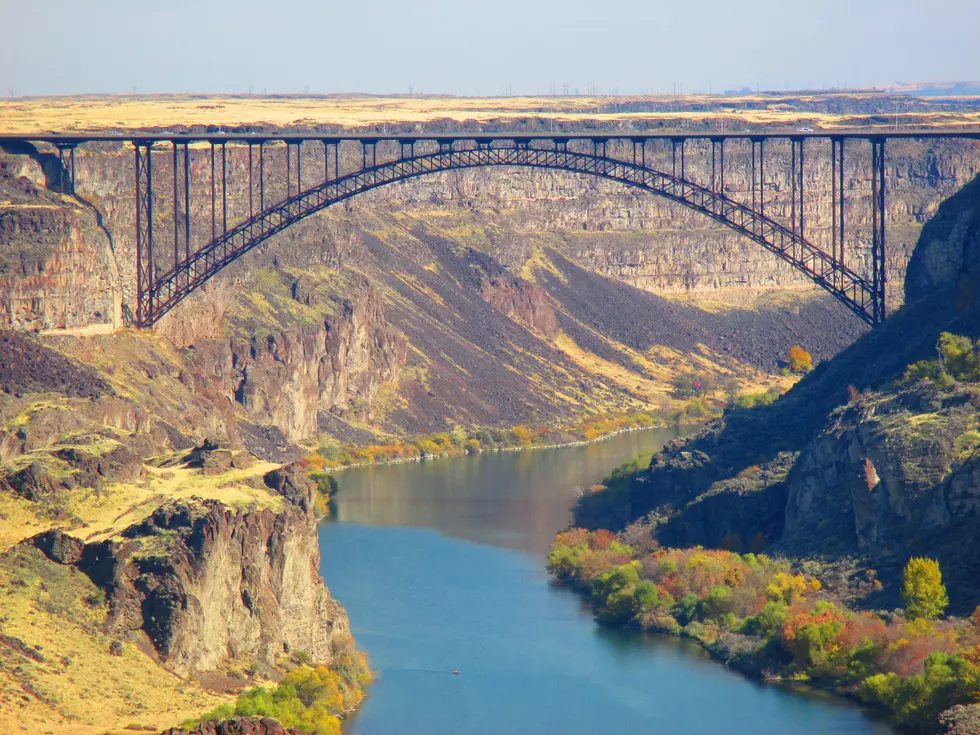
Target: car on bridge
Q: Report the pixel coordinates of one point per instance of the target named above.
(804, 130)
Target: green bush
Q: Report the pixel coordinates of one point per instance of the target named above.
(687, 609)
(768, 622)
(946, 680)
(718, 603)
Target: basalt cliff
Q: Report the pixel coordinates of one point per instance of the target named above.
(862, 458)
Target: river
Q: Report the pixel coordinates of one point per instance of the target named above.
(440, 565)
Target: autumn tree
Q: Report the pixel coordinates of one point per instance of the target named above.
(922, 589)
(799, 360)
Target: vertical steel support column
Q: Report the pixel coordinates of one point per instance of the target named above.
(878, 227)
(299, 167)
(61, 169)
(752, 144)
(802, 142)
(214, 228)
(840, 198)
(261, 175)
(250, 214)
(722, 165)
(176, 210)
(364, 155)
(289, 172)
(144, 232)
(336, 160)
(792, 176)
(762, 177)
(683, 141)
(187, 210)
(224, 190)
(66, 165)
(673, 157)
(714, 175)
(326, 162)
(833, 202)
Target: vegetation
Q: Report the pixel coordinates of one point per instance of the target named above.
(472, 441)
(782, 622)
(958, 360)
(799, 360)
(311, 699)
(751, 400)
(923, 590)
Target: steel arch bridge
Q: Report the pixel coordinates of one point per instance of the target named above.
(170, 288)
(163, 282)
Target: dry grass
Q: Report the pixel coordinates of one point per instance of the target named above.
(116, 506)
(78, 688)
(93, 113)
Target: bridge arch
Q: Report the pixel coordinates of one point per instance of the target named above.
(165, 291)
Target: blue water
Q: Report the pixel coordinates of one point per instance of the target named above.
(441, 567)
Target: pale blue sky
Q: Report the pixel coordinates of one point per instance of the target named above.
(455, 47)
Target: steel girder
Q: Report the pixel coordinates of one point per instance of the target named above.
(161, 293)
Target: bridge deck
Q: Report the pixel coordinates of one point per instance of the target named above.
(637, 137)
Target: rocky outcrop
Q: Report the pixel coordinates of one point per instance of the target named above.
(205, 583)
(57, 267)
(881, 468)
(236, 726)
(287, 377)
(886, 469)
(948, 253)
(514, 297)
(963, 719)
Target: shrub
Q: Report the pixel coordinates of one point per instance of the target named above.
(718, 603)
(786, 587)
(923, 590)
(799, 360)
(310, 699)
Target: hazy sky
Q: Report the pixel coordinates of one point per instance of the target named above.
(458, 47)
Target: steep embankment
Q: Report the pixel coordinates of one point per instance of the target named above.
(167, 576)
(854, 460)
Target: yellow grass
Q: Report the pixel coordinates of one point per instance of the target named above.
(120, 505)
(96, 692)
(610, 371)
(92, 113)
(79, 689)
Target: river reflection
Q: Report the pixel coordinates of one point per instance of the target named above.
(517, 500)
(441, 567)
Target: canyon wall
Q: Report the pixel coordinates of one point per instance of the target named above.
(207, 584)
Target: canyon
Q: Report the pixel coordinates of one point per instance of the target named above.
(160, 475)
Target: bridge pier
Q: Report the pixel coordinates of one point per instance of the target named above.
(66, 165)
(144, 232)
(878, 227)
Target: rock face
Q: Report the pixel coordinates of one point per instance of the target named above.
(948, 251)
(57, 266)
(207, 584)
(287, 379)
(236, 726)
(888, 468)
(849, 462)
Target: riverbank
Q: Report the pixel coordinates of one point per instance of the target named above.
(771, 622)
(415, 450)
(440, 566)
